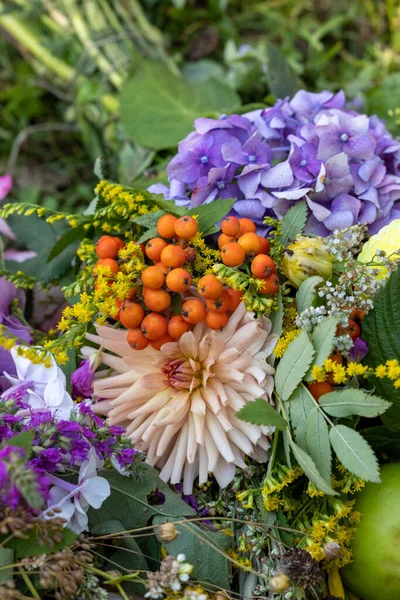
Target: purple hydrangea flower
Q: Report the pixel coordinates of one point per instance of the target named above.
(344, 164)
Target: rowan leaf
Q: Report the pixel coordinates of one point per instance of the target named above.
(318, 444)
(354, 453)
(346, 402)
(293, 365)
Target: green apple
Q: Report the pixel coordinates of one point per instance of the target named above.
(375, 572)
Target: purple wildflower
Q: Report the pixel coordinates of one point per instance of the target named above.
(359, 350)
(82, 380)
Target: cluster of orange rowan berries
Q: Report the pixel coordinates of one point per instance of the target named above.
(149, 318)
(238, 242)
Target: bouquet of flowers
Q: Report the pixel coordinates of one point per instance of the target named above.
(215, 412)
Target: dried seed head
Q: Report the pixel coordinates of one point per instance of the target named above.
(279, 583)
(332, 550)
(167, 532)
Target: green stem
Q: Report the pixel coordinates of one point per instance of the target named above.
(24, 36)
(29, 583)
(274, 450)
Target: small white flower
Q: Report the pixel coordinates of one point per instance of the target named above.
(43, 388)
(74, 500)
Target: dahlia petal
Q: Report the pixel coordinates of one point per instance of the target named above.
(199, 425)
(180, 454)
(224, 472)
(191, 450)
(219, 437)
(198, 406)
(203, 465)
(211, 449)
(241, 440)
(189, 475)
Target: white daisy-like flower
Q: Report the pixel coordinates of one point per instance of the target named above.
(179, 404)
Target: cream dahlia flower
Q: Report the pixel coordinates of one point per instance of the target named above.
(179, 404)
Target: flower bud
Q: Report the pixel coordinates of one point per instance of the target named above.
(306, 257)
(279, 583)
(332, 550)
(167, 532)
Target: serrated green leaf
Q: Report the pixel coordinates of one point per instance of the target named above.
(210, 214)
(383, 440)
(306, 293)
(300, 404)
(318, 445)
(100, 168)
(129, 503)
(354, 453)
(260, 412)
(346, 402)
(150, 219)
(307, 464)
(169, 206)
(293, 222)
(158, 109)
(322, 339)
(203, 548)
(148, 235)
(381, 331)
(65, 240)
(293, 365)
(29, 546)
(23, 440)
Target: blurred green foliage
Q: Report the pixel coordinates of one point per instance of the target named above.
(63, 64)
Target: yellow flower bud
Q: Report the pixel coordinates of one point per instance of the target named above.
(279, 583)
(306, 257)
(167, 532)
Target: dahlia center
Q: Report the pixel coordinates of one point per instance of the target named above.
(181, 374)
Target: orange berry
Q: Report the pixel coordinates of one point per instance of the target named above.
(153, 278)
(232, 254)
(178, 280)
(136, 339)
(246, 226)
(109, 263)
(157, 344)
(209, 286)
(186, 227)
(265, 247)
(193, 311)
(173, 256)
(156, 300)
(353, 329)
(318, 389)
(162, 268)
(224, 239)
(107, 247)
(216, 320)
(230, 226)
(262, 266)
(119, 242)
(177, 326)
(154, 326)
(221, 304)
(131, 315)
(118, 305)
(236, 298)
(270, 285)
(154, 247)
(250, 243)
(131, 295)
(165, 226)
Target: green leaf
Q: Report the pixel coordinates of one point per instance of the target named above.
(6, 558)
(129, 502)
(381, 331)
(281, 78)
(100, 168)
(260, 412)
(158, 109)
(354, 453)
(133, 160)
(322, 338)
(346, 402)
(300, 404)
(23, 440)
(307, 464)
(148, 235)
(318, 444)
(293, 222)
(30, 547)
(70, 236)
(176, 304)
(210, 214)
(169, 206)
(383, 440)
(130, 555)
(149, 221)
(384, 98)
(306, 293)
(293, 365)
(202, 548)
